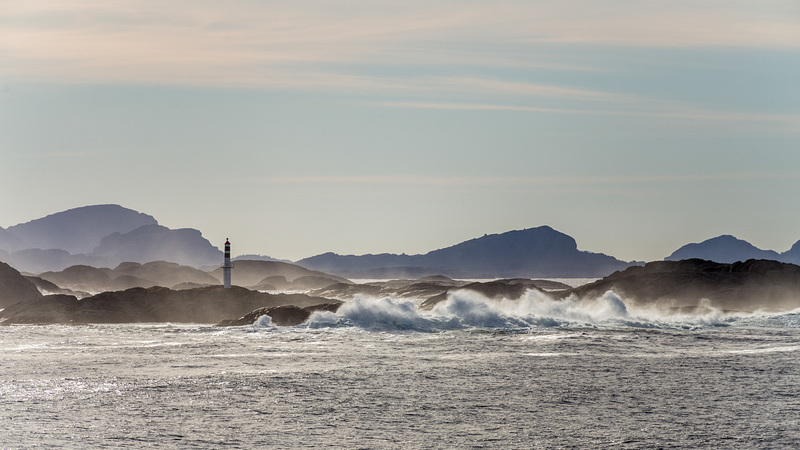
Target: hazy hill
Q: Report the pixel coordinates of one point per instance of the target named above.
(166, 274)
(792, 255)
(127, 275)
(101, 236)
(14, 287)
(253, 273)
(157, 243)
(8, 241)
(723, 249)
(78, 230)
(35, 260)
(534, 252)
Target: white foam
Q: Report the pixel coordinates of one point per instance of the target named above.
(469, 309)
(466, 309)
(262, 322)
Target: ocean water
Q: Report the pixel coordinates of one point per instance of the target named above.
(472, 373)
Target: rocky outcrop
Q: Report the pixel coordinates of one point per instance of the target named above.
(14, 287)
(288, 315)
(46, 287)
(435, 289)
(742, 286)
(510, 289)
(157, 304)
(128, 275)
(254, 273)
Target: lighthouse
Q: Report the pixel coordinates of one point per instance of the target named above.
(227, 266)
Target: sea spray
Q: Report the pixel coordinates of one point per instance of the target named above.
(377, 314)
(263, 322)
(464, 309)
(536, 304)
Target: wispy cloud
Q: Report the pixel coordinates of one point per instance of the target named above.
(662, 110)
(238, 42)
(433, 180)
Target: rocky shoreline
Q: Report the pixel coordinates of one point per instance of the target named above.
(686, 286)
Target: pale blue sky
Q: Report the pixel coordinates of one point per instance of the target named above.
(295, 128)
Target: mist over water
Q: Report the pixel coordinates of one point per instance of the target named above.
(466, 309)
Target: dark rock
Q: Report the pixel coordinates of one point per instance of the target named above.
(276, 281)
(421, 288)
(288, 315)
(743, 286)
(188, 285)
(14, 287)
(511, 289)
(313, 282)
(123, 282)
(46, 287)
(494, 290)
(58, 308)
(348, 291)
(156, 304)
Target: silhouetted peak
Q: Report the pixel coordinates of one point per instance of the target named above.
(79, 230)
(722, 249)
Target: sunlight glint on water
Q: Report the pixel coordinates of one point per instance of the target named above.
(381, 374)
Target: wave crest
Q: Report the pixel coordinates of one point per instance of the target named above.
(467, 309)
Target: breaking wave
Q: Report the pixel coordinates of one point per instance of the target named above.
(470, 310)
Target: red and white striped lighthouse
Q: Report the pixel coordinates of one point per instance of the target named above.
(227, 266)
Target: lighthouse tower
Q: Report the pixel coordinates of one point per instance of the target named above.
(227, 266)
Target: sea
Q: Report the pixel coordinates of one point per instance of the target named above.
(380, 373)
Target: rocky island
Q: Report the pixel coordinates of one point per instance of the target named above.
(688, 286)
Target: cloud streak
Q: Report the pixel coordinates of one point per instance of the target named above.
(523, 181)
(247, 43)
(673, 111)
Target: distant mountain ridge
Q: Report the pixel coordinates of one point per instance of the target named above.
(107, 235)
(533, 252)
(728, 249)
(101, 236)
(158, 243)
(77, 230)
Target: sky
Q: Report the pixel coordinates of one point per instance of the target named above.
(297, 128)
